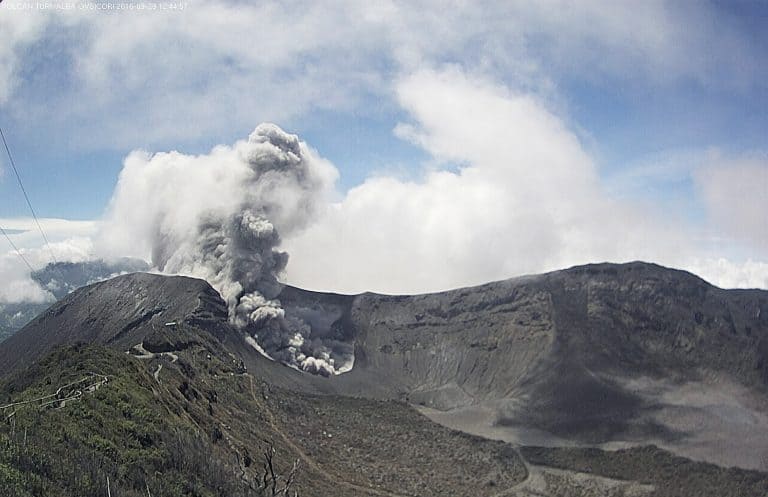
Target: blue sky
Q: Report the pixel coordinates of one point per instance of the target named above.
(662, 97)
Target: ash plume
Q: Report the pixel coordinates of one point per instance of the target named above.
(219, 217)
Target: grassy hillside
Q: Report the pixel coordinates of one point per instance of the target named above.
(131, 429)
(671, 476)
(193, 423)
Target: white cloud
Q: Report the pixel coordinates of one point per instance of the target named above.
(270, 59)
(19, 30)
(70, 241)
(57, 230)
(729, 274)
(279, 61)
(526, 199)
(655, 40)
(735, 193)
(17, 286)
(162, 199)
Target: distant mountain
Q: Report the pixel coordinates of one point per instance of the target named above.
(60, 279)
(14, 316)
(566, 366)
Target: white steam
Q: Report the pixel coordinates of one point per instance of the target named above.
(219, 217)
(69, 242)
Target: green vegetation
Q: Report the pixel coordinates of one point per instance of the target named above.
(200, 426)
(129, 430)
(672, 476)
(194, 423)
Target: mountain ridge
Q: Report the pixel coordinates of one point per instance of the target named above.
(603, 355)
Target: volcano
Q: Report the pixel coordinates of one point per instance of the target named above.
(604, 379)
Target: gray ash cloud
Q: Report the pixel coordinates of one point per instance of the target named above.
(219, 217)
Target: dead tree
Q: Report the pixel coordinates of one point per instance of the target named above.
(272, 483)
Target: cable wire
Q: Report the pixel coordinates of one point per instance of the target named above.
(26, 197)
(5, 234)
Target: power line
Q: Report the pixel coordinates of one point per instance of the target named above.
(5, 234)
(26, 197)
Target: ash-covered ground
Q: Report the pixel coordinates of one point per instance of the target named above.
(567, 377)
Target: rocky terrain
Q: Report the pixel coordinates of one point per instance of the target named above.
(594, 362)
(181, 415)
(59, 279)
(601, 355)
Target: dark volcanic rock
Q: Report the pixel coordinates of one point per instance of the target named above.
(577, 326)
(60, 279)
(121, 312)
(600, 353)
(594, 354)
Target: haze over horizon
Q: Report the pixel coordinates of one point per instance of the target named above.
(449, 146)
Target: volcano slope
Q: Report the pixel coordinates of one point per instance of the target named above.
(603, 355)
(58, 279)
(99, 387)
